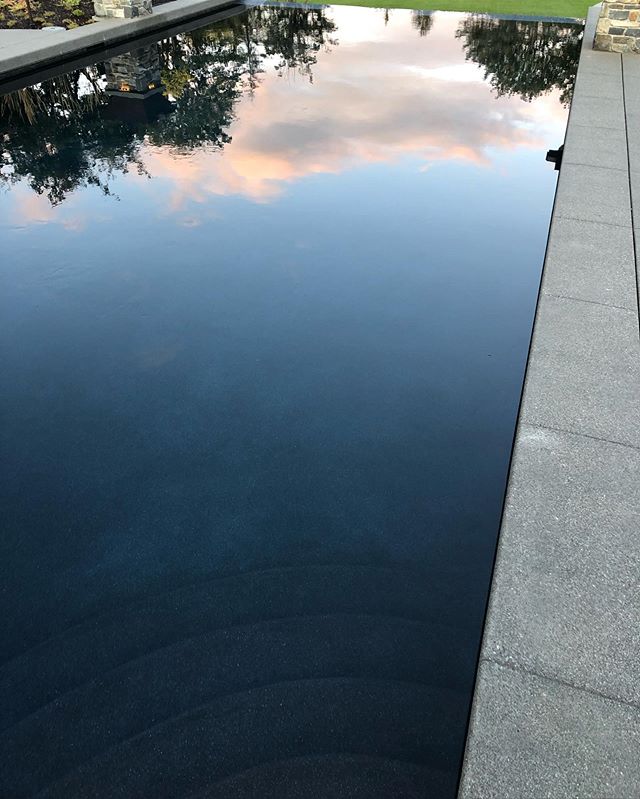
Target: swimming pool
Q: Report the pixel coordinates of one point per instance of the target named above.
(267, 295)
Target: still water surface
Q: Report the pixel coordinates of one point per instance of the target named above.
(263, 338)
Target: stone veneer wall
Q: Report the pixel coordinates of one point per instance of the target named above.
(618, 29)
(124, 9)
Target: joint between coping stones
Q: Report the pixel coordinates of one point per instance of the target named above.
(518, 669)
(565, 431)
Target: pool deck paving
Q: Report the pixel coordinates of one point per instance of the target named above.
(556, 709)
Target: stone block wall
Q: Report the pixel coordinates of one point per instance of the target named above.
(124, 9)
(618, 29)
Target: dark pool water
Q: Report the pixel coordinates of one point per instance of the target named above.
(263, 336)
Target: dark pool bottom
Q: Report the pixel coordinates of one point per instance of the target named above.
(308, 681)
(263, 338)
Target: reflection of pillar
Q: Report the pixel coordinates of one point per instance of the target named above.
(618, 27)
(137, 72)
(135, 76)
(124, 9)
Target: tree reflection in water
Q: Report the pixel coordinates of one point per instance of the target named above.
(61, 134)
(422, 21)
(71, 131)
(523, 58)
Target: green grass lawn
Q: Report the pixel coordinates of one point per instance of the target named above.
(535, 8)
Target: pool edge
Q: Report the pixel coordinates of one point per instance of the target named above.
(23, 57)
(553, 713)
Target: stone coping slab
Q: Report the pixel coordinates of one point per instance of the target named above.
(24, 56)
(547, 740)
(556, 710)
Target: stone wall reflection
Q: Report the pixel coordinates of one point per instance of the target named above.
(134, 86)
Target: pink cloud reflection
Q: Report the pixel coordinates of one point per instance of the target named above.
(382, 93)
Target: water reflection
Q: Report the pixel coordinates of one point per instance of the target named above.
(263, 330)
(422, 21)
(82, 128)
(65, 132)
(527, 59)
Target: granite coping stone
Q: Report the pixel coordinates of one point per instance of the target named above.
(602, 147)
(556, 710)
(584, 370)
(13, 38)
(596, 194)
(597, 61)
(635, 191)
(566, 602)
(577, 256)
(600, 84)
(632, 104)
(631, 64)
(601, 112)
(541, 739)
